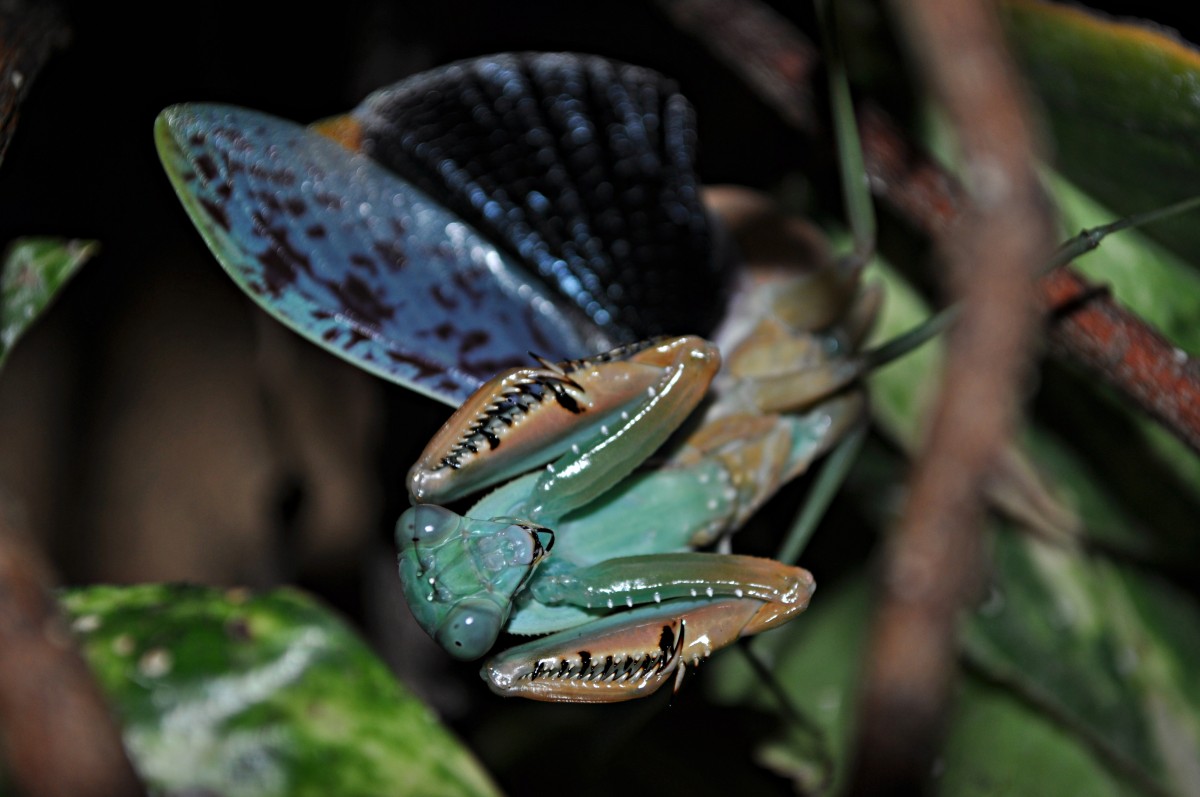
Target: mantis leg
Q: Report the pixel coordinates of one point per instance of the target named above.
(599, 417)
(589, 470)
(632, 653)
(757, 453)
(654, 578)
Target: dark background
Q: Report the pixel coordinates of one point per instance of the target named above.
(156, 428)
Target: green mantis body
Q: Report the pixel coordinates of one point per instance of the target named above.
(598, 555)
(612, 473)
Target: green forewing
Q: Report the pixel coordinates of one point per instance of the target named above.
(357, 259)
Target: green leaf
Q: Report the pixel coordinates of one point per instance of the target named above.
(996, 742)
(1107, 650)
(902, 392)
(232, 694)
(997, 745)
(1122, 105)
(34, 271)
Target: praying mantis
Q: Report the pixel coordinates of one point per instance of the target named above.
(611, 459)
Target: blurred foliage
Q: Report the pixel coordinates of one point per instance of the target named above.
(223, 692)
(34, 270)
(1123, 101)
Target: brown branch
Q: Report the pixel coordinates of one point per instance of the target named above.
(27, 35)
(760, 46)
(1115, 345)
(932, 563)
(905, 177)
(55, 727)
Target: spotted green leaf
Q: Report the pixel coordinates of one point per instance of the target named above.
(251, 696)
(33, 272)
(1107, 650)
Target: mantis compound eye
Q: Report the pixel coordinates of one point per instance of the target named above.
(459, 574)
(470, 628)
(427, 524)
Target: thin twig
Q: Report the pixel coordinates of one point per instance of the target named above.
(1089, 240)
(932, 562)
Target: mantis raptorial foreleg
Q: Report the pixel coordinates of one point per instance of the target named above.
(598, 418)
(627, 655)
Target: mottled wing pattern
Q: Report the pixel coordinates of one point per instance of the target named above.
(358, 260)
(581, 166)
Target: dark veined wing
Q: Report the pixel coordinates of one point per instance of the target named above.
(580, 166)
(357, 259)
